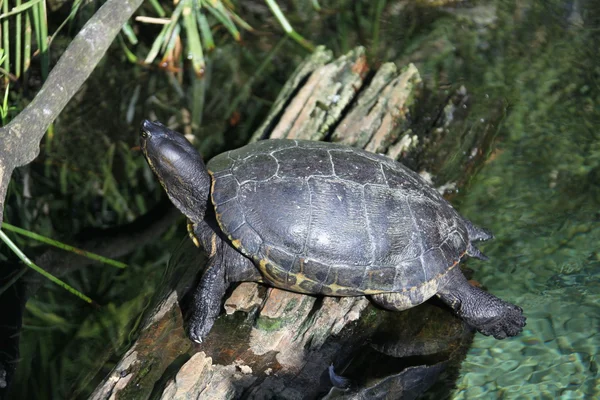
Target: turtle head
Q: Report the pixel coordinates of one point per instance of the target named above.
(179, 168)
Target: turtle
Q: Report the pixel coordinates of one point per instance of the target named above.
(321, 218)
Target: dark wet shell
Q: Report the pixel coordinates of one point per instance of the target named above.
(324, 218)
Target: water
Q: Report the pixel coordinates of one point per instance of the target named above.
(540, 194)
(545, 259)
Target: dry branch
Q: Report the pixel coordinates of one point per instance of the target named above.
(20, 139)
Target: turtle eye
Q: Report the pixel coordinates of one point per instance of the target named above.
(144, 134)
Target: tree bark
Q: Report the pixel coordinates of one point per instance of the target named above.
(271, 343)
(20, 139)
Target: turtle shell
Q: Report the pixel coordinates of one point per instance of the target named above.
(320, 217)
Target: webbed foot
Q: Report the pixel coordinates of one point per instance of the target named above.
(483, 311)
(508, 321)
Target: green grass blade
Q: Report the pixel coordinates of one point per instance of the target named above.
(194, 51)
(376, 25)
(198, 101)
(131, 57)
(27, 42)
(43, 43)
(74, 9)
(4, 107)
(129, 33)
(47, 275)
(18, 9)
(173, 41)
(158, 42)
(287, 27)
(158, 8)
(6, 42)
(18, 39)
(171, 27)
(221, 14)
(207, 37)
(245, 90)
(238, 20)
(61, 245)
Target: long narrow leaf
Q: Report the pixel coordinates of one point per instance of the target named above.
(207, 37)
(129, 33)
(131, 57)
(43, 44)
(72, 13)
(238, 20)
(169, 50)
(158, 8)
(27, 42)
(220, 13)
(279, 15)
(171, 27)
(287, 27)
(6, 42)
(155, 49)
(18, 38)
(194, 50)
(63, 246)
(49, 276)
(19, 9)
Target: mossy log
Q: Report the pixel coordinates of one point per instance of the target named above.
(270, 343)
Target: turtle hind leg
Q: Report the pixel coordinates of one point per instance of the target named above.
(480, 309)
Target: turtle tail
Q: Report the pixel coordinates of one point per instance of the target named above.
(473, 251)
(477, 234)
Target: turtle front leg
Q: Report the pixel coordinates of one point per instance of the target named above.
(480, 309)
(225, 266)
(207, 299)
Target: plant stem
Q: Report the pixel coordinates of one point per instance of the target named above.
(31, 265)
(63, 246)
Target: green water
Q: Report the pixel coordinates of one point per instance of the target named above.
(545, 258)
(540, 194)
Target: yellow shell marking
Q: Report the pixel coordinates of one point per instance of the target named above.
(191, 234)
(213, 245)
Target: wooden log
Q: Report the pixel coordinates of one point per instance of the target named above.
(271, 343)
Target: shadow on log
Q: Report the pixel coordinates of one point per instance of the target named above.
(271, 343)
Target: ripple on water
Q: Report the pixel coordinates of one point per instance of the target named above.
(515, 377)
(554, 358)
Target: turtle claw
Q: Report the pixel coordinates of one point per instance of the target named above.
(199, 325)
(195, 332)
(194, 338)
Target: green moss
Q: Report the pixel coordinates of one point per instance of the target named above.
(269, 324)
